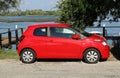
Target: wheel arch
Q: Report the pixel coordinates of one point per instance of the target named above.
(27, 48)
(91, 48)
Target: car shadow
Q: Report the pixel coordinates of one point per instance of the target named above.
(59, 60)
(116, 52)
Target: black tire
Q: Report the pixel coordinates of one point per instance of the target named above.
(91, 56)
(28, 56)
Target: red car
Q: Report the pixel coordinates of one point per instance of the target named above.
(61, 41)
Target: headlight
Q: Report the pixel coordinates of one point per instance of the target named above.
(104, 43)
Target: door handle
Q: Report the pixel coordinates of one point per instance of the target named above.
(50, 41)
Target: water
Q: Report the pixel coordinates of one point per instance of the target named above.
(12, 25)
(110, 31)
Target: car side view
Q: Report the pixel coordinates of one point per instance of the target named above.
(61, 41)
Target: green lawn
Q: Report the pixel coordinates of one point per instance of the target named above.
(8, 54)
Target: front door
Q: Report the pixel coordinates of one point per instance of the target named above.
(61, 44)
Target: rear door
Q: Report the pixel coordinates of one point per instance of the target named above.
(40, 41)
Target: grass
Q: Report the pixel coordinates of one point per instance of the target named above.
(8, 54)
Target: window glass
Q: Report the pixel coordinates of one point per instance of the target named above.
(61, 32)
(64, 30)
(40, 32)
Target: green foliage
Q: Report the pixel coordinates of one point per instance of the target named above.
(5, 5)
(8, 54)
(82, 13)
(29, 12)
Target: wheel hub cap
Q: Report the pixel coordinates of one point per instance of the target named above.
(27, 56)
(92, 56)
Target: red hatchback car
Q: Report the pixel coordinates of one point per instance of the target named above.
(60, 41)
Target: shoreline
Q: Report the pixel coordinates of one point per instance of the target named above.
(28, 18)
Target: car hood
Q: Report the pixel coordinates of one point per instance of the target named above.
(94, 36)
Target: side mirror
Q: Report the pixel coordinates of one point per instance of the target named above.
(76, 36)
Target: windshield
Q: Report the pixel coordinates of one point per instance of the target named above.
(84, 33)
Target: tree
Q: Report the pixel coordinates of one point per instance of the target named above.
(82, 13)
(5, 5)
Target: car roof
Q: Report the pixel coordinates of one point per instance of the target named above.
(49, 25)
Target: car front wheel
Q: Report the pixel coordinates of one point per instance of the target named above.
(91, 56)
(28, 56)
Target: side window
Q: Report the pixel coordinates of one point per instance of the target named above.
(40, 32)
(61, 32)
(64, 31)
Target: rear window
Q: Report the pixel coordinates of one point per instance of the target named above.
(40, 32)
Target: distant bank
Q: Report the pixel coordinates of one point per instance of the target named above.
(28, 18)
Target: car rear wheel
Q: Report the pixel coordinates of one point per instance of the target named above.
(91, 56)
(28, 56)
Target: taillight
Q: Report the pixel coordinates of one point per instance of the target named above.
(21, 38)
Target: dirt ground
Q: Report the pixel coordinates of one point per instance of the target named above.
(60, 69)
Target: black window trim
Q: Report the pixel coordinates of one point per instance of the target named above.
(39, 28)
(60, 27)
